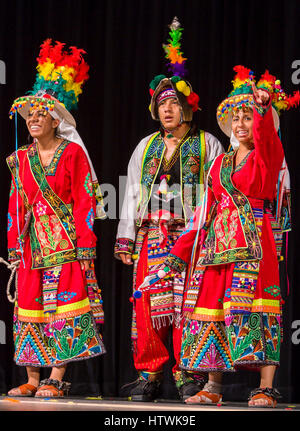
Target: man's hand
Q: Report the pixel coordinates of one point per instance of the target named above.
(126, 258)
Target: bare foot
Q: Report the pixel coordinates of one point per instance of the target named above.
(258, 402)
(44, 393)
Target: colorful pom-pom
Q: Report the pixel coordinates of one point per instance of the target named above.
(137, 294)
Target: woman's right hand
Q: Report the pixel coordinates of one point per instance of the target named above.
(126, 258)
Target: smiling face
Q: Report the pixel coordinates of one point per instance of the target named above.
(169, 112)
(40, 124)
(242, 125)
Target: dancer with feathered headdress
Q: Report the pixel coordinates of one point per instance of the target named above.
(167, 169)
(231, 250)
(54, 200)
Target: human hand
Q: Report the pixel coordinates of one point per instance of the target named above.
(126, 258)
(261, 96)
(85, 264)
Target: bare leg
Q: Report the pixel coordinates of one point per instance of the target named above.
(57, 373)
(267, 373)
(213, 386)
(33, 378)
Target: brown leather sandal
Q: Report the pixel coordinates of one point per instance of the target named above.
(269, 394)
(26, 390)
(57, 388)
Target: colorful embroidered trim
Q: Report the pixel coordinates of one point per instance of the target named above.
(175, 263)
(12, 254)
(62, 312)
(94, 295)
(192, 156)
(56, 343)
(86, 253)
(50, 284)
(50, 170)
(124, 245)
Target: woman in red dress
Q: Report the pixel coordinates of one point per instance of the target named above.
(232, 296)
(52, 208)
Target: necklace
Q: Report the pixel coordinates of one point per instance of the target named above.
(168, 164)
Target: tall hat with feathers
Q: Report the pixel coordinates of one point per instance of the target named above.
(60, 76)
(59, 80)
(177, 83)
(242, 96)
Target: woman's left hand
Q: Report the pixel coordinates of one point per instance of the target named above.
(261, 96)
(85, 264)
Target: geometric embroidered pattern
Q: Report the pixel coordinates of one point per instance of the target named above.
(56, 343)
(205, 347)
(247, 340)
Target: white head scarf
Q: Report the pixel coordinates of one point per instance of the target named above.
(67, 131)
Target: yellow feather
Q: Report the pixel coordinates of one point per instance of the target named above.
(46, 69)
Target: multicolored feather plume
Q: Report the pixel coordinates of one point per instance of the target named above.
(61, 72)
(173, 50)
(280, 100)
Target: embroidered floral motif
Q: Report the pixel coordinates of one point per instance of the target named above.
(225, 232)
(41, 208)
(54, 248)
(56, 343)
(221, 243)
(49, 233)
(249, 343)
(57, 325)
(194, 327)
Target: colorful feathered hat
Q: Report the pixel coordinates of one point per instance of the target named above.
(242, 96)
(188, 99)
(61, 75)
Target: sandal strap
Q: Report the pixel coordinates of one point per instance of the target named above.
(27, 387)
(270, 392)
(60, 386)
(213, 397)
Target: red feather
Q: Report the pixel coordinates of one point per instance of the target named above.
(294, 100)
(242, 72)
(82, 72)
(268, 77)
(57, 53)
(45, 51)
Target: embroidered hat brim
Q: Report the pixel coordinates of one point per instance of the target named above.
(23, 104)
(224, 111)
